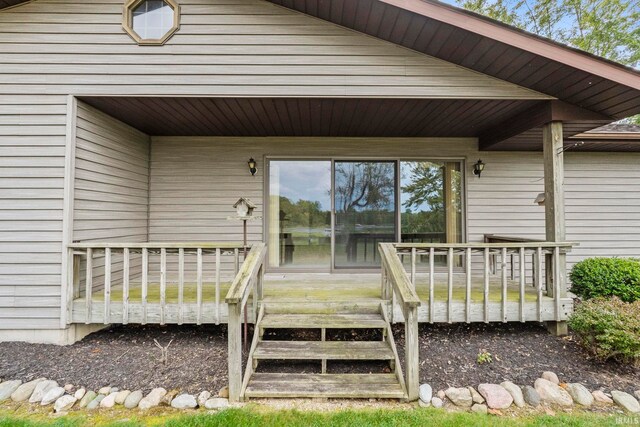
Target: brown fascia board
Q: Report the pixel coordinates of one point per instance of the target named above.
(520, 39)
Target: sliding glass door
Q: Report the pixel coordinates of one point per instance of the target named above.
(331, 214)
(365, 207)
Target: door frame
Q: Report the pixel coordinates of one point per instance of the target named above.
(333, 159)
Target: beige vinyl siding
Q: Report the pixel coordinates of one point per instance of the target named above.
(32, 147)
(111, 188)
(223, 48)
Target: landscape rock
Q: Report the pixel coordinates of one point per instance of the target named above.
(87, 398)
(475, 396)
(515, 392)
(437, 402)
(531, 396)
(166, 400)
(426, 393)
(424, 404)
(459, 396)
(441, 395)
(224, 392)
(25, 390)
(114, 389)
(133, 399)
(68, 388)
(121, 396)
(495, 395)
(217, 403)
(52, 395)
(552, 393)
(95, 402)
(184, 401)
(479, 408)
(152, 399)
(109, 401)
(41, 389)
(580, 394)
(7, 388)
(551, 376)
(104, 390)
(599, 396)
(626, 401)
(79, 394)
(203, 397)
(64, 403)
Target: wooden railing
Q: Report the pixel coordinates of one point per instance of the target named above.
(99, 268)
(397, 287)
(248, 282)
(463, 269)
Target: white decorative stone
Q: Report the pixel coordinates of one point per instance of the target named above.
(133, 399)
(217, 403)
(495, 395)
(52, 395)
(552, 393)
(41, 389)
(515, 392)
(64, 403)
(7, 388)
(424, 404)
(580, 394)
(104, 390)
(479, 408)
(551, 376)
(109, 401)
(437, 402)
(95, 402)
(79, 394)
(87, 398)
(599, 396)
(121, 396)
(68, 388)
(426, 393)
(25, 391)
(152, 399)
(459, 396)
(626, 401)
(184, 401)
(203, 397)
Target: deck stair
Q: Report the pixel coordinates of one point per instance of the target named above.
(364, 318)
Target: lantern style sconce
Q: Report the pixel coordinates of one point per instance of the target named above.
(244, 207)
(478, 167)
(252, 166)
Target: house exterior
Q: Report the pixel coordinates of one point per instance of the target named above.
(129, 130)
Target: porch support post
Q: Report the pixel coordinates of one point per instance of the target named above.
(234, 336)
(552, 141)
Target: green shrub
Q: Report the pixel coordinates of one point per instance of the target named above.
(607, 277)
(609, 328)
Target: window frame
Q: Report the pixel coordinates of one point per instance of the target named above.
(127, 23)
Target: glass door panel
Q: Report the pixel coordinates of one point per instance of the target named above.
(365, 207)
(431, 202)
(300, 214)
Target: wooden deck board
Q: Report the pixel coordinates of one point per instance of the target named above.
(318, 350)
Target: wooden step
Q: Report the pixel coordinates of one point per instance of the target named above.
(318, 350)
(317, 307)
(328, 321)
(358, 386)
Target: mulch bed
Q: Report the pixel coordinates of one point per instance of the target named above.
(126, 357)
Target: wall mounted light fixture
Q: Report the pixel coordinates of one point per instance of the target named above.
(252, 166)
(478, 167)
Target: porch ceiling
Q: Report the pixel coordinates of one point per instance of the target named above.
(338, 117)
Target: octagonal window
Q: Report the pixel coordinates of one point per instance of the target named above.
(151, 21)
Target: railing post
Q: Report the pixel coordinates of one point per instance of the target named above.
(412, 352)
(234, 335)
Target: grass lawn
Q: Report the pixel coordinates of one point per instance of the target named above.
(260, 417)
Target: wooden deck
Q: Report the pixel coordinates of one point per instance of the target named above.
(328, 290)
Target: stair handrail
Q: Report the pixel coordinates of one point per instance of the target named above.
(396, 283)
(248, 280)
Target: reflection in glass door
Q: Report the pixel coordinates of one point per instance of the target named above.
(365, 207)
(299, 214)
